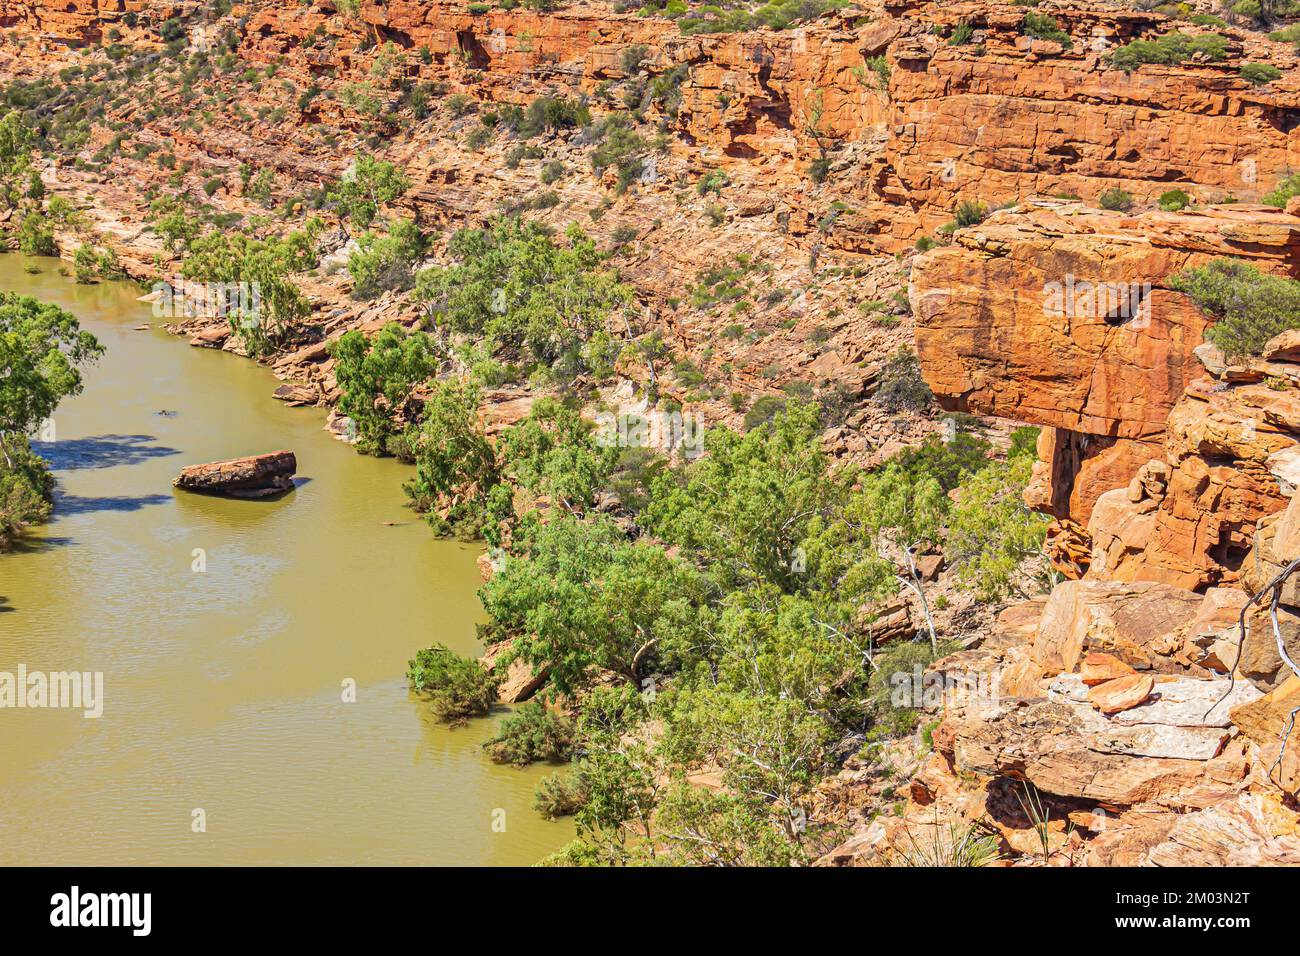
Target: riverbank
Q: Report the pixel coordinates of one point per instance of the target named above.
(223, 687)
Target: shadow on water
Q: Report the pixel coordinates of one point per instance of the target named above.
(5, 606)
(78, 505)
(101, 451)
(36, 545)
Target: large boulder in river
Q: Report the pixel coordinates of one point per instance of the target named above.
(256, 476)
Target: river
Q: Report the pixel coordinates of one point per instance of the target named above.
(224, 686)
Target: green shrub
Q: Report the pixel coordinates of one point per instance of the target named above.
(711, 182)
(551, 113)
(1043, 27)
(455, 465)
(970, 213)
(26, 491)
(532, 734)
(947, 462)
(1170, 49)
(457, 687)
(384, 263)
(552, 171)
(1288, 34)
(377, 378)
(622, 148)
(368, 186)
(1286, 188)
(961, 34)
(1116, 199)
(85, 264)
(1251, 306)
(1175, 200)
(36, 237)
(1257, 74)
(879, 65)
(514, 286)
(901, 385)
(561, 794)
(763, 411)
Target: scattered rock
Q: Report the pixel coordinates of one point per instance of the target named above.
(1121, 693)
(213, 337)
(1098, 668)
(928, 566)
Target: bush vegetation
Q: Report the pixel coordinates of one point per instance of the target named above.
(377, 378)
(42, 349)
(1257, 74)
(1170, 49)
(733, 625)
(514, 289)
(1043, 27)
(456, 687)
(1116, 199)
(1251, 306)
(532, 734)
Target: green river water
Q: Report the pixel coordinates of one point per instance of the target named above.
(223, 688)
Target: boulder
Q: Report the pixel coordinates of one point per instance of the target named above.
(213, 337)
(1136, 623)
(520, 682)
(295, 393)
(1265, 717)
(928, 566)
(256, 476)
(1283, 348)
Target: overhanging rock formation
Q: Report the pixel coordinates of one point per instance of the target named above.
(1059, 315)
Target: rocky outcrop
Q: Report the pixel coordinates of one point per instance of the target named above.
(1190, 516)
(1059, 315)
(1157, 458)
(256, 476)
(1188, 771)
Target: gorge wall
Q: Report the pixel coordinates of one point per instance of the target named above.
(999, 119)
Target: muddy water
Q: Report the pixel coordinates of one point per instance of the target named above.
(223, 687)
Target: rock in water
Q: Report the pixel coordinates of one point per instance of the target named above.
(257, 476)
